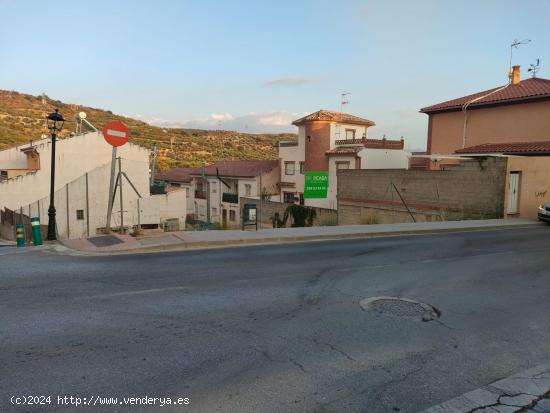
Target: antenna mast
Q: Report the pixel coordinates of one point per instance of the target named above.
(535, 67)
(515, 44)
(343, 101)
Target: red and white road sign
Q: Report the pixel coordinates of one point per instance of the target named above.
(115, 133)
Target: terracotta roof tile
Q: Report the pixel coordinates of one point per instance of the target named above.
(517, 148)
(238, 168)
(528, 89)
(327, 115)
(176, 175)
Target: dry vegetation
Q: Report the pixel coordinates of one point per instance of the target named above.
(22, 120)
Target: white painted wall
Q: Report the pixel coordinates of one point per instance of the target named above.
(338, 132)
(293, 154)
(384, 158)
(74, 157)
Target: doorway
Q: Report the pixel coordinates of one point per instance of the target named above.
(513, 191)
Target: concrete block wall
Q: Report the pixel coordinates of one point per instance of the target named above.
(472, 190)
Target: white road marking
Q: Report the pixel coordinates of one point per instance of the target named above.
(116, 133)
(137, 292)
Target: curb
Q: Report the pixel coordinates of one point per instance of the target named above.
(201, 245)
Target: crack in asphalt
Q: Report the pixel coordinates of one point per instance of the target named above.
(290, 360)
(333, 348)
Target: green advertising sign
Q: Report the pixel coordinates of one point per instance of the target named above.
(316, 185)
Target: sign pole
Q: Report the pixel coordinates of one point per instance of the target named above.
(120, 193)
(111, 189)
(116, 134)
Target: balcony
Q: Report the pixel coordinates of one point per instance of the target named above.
(230, 198)
(200, 194)
(349, 141)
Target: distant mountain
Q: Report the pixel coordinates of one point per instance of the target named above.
(22, 120)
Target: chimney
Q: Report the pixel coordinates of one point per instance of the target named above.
(515, 75)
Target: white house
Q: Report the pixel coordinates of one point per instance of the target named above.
(328, 141)
(217, 199)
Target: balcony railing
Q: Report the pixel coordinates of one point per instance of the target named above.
(231, 198)
(373, 143)
(200, 194)
(350, 141)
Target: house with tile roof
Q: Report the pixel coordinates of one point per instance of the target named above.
(510, 122)
(517, 113)
(180, 178)
(219, 187)
(328, 141)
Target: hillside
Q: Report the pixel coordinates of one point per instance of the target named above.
(22, 120)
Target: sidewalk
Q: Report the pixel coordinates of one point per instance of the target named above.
(181, 240)
(527, 392)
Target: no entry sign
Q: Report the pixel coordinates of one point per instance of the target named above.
(115, 133)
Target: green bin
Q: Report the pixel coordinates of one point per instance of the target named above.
(36, 233)
(20, 235)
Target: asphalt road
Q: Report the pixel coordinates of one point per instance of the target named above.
(276, 328)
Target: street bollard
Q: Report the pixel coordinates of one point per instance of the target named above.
(36, 233)
(20, 235)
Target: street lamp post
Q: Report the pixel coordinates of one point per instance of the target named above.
(55, 123)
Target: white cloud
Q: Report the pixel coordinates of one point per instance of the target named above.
(221, 116)
(267, 122)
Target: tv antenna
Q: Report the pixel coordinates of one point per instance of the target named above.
(535, 67)
(515, 44)
(344, 100)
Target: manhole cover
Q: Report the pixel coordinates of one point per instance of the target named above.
(400, 307)
(105, 241)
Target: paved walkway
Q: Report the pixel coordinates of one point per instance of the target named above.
(528, 391)
(209, 239)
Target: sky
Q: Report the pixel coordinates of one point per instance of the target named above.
(254, 66)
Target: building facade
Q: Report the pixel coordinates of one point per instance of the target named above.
(329, 141)
(514, 113)
(219, 187)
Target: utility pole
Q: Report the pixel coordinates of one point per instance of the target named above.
(153, 164)
(206, 191)
(261, 196)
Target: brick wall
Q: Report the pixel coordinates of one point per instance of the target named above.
(472, 190)
(324, 216)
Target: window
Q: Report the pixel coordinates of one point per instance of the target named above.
(247, 189)
(79, 214)
(232, 215)
(3, 175)
(289, 168)
(301, 199)
(288, 197)
(350, 133)
(302, 167)
(342, 165)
